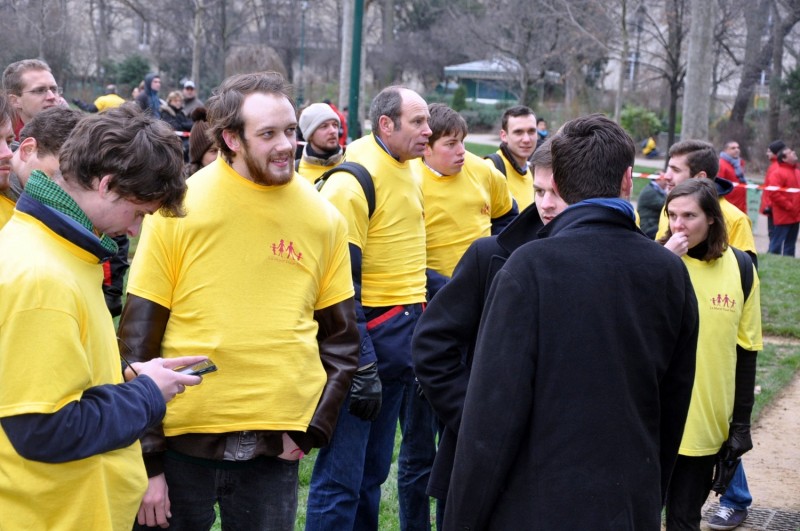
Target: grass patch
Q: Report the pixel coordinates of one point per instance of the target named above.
(777, 365)
(780, 291)
(480, 149)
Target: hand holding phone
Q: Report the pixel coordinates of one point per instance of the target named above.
(198, 369)
(163, 373)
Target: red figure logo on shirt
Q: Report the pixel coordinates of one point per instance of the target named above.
(287, 251)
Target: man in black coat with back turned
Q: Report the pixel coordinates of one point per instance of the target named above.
(583, 369)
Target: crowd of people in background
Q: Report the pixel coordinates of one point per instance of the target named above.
(343, 289)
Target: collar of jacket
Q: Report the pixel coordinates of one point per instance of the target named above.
(587, 215)
(523, 229)
(331, 158)
(64, 226)
(511, 160)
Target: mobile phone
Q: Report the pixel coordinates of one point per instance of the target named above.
(198, 369)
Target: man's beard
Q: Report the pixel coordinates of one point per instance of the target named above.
(261, 174)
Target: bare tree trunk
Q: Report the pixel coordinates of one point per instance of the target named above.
(223, 21)
(696, 102)
(387, 36)
(752, 71)
(347, 51)
(775, 79)
(197, 35)
(624, 56)
(675, 19)
(756, 59)
(98, 16)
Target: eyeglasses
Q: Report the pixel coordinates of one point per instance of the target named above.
(42, 91)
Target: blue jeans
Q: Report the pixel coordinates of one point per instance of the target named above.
(419, 425)
(260, 494)
(783, 239)
(738, 494)
(345, 490)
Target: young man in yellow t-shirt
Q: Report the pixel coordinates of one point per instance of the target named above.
(69, 451)
(465, 199)
(256, 276)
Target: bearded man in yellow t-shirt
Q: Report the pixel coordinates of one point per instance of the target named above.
(256, 276)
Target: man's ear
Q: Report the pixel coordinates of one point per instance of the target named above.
(14, 100)
(626, 186)
(27, 149)
(503, 136)
(385, 124)
(700, 175)
(103, 185)
(231, 140)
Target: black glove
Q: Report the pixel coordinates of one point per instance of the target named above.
(730, 454)
(738, 442)
(724, 469)
(365, 393)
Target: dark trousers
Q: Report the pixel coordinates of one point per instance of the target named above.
(783, 239)
(419, 426)
(260, 494)
(688, 490)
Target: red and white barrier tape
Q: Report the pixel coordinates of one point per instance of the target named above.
(653, 176)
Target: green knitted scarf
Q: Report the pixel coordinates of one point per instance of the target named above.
(47, 192)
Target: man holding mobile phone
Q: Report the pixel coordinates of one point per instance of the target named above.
(256, 276)
(69, 450)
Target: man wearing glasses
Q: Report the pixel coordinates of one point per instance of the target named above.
(31, 89)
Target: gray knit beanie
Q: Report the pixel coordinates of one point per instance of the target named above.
(313, 116)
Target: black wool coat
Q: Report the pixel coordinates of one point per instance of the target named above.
(580, 382)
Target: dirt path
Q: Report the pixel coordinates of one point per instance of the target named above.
(773, 466)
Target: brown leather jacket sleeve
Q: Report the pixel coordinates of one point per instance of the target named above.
(339, 343)
(141, 330)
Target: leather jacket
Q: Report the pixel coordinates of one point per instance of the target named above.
(141, 330)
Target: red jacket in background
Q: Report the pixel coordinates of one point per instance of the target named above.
(785, 205)
(765, 204)
(738, 196)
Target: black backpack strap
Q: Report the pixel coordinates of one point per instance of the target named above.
(296, 164)
(745, 270)
(362, 176)
(498, 162)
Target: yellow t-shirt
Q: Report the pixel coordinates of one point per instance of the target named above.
(649, 146)
(520, 184)
(242, 275)
(57, 339)
(737, 223)
(724, 322)
(459, 209)
(6, 209)
(393, 240)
